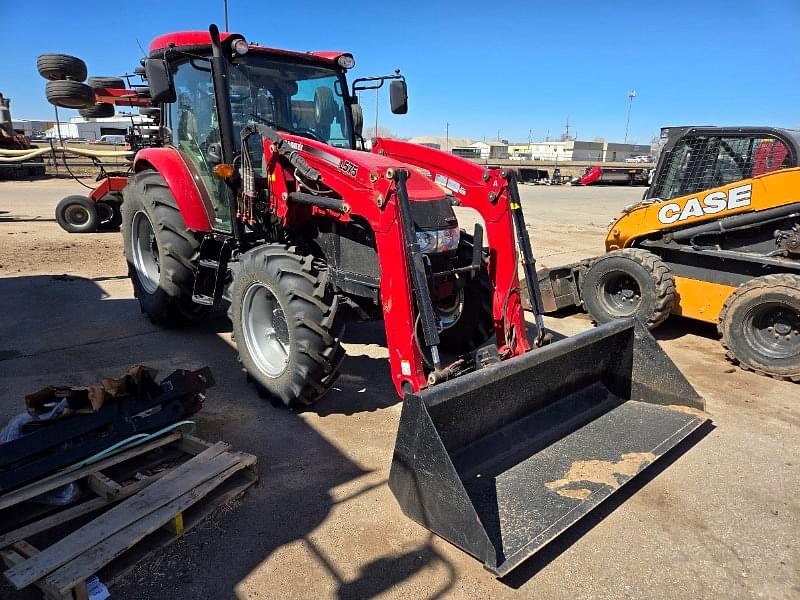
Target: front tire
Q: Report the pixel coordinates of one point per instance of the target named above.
(285, 323)
(760, 326)
(161, 252)
(629, 283)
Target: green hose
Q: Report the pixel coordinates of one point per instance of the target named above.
(134, 440)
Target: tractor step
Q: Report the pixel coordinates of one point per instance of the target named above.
(212, 267)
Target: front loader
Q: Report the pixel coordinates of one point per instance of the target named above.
(262, 197)
(716, 238)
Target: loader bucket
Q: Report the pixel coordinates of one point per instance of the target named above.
(502, 460)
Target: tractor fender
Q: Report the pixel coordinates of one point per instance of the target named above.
(193, 203)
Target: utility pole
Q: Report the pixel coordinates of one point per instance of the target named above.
(447, 137)
(566, 134)
(631, 96)
(225, 2)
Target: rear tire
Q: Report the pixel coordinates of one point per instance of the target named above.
(285, 323)
(77, 214)
(629, 283)
(760, 326)
(161, 252)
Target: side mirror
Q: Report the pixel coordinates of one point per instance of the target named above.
(159, 79)
(398, 96)
(358, 120)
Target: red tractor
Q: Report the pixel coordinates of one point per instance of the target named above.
(261, 196)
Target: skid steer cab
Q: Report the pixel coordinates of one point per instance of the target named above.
(716, 238)
(263, 196)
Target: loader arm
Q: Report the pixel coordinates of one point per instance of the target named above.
(486, 191)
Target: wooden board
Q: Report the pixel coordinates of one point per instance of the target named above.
(73, 512)
(64, 578)
(171, 486)
(231, 489)
(37, 488)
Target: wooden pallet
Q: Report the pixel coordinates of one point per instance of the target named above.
(143, 499)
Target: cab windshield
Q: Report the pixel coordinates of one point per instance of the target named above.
(298, 98)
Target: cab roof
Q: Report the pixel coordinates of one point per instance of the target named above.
(186, 40)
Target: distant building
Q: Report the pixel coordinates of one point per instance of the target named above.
(586, 151)
(521, 151)
(92, 129)
(490, 150)
(467, 152)
(619, 152)
(30, 127)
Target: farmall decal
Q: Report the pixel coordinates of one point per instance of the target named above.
(710, 204)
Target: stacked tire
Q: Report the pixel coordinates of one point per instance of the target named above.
(65, 75)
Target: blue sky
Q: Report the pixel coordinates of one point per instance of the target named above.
(482, 66)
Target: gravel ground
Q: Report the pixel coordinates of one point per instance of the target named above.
(719, 520)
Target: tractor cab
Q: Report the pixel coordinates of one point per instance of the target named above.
(301, 93)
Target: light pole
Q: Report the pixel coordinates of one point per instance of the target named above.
(631, 96)
(447, 137)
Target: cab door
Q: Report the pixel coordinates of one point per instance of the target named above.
(194, 126)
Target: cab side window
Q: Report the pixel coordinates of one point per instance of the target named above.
(703, 162)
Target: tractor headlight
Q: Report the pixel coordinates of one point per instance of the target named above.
(441, 240)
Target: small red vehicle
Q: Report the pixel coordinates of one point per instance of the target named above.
(599, 174)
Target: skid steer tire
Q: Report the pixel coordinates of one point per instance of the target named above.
(161, 252)
(57, 67)
(286, 324)
(475, 326)
(760, 326)
(69, 94)
(629, 283)
(77, 214)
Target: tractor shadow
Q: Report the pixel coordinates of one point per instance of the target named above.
(73, 330)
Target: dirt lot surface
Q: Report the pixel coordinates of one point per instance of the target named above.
(718, 519)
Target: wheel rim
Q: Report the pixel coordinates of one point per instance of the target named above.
(450, 312)
(266, 332)
(145, 252)
(104, 212)
(773, 329)
(620, 294)
(76, 215)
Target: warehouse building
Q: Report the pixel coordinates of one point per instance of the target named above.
(91, 129)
